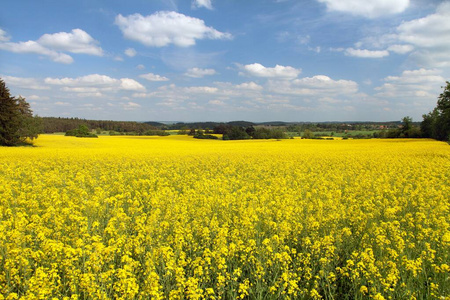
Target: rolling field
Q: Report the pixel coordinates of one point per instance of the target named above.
(178, 218)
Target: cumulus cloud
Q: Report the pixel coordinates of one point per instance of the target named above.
(96, 82)
(216, 102)
(364, 53)
(431, 37)
(421, 84)
(77, 41)
(426, 40)
(35, 48)
(432, 31)
(52, 45)
(316, 85)
(198, 73)
(37, 97)
(130, 105)
(279, 72)
(61, 103)
(368, 9)
(3, 36)
(202, 3)
(201, 90)
(130, 52)
(401, 49)
(417, 76)
(131, 85)
(24, 83)
(154, 77)
(166, 27)
(249, 86)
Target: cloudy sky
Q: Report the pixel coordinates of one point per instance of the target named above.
(223, 60)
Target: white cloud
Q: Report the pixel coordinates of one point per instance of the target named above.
(61, 103)
(279, 72)
(88, 80)
(131, 85)
(401, 49)
(430, 36)
(90, 95)
(202, 3)
(432, 31)
(154, 77)
(369, 9)
(3, 36)
(198, 73)
(36, 48)
(140, 67)
(364, 53)
(316, 85)
(96, 82)
(51, 45)
(166, 27)
(130, 52)
(417, 76)
(427, 39)
(79, 89)
(216, 102)
(77, 41)
(201, 90)
(37, 97)
(24, 83)
(421, 86)
(249, 86)
(130, 106)
(141, 95)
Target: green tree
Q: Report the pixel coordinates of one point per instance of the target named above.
(436, 124)
(407, 123)
(17, 123)
(307, 134)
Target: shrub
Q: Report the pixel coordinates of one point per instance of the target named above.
(81, 131)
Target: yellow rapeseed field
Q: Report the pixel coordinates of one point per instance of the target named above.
(179, 218)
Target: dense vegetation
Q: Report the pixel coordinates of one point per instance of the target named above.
(436, 124)
(81, 131)
(17, 123)
(51, 125)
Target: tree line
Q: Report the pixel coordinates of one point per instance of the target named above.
(18, 125)
(52, 125)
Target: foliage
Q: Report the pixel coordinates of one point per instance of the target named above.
(17, 123)
(176, 218)
(201, 135)
(156, 132)
(407, 129)
(240, 133)
(236, 133)
(268, 133)
(307, 134)
(51, 125)
(82, 132)
(436, 124)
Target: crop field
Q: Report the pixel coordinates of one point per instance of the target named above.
(179, 218)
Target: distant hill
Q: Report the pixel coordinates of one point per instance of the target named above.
(155, 124)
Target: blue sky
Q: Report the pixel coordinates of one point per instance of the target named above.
(211, 60)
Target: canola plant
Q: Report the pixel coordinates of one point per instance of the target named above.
(178, 218)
